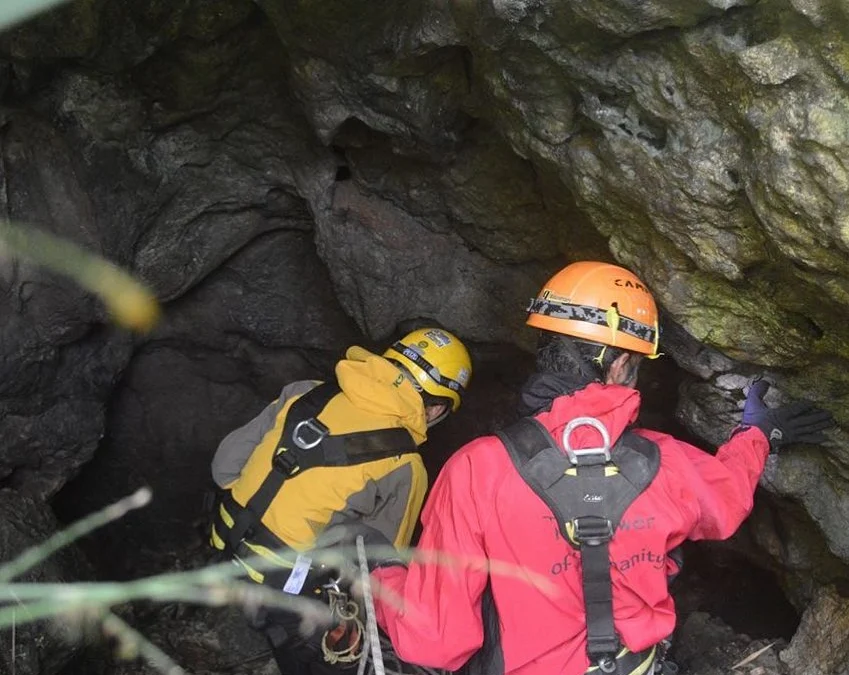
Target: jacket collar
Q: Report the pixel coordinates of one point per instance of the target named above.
(376, 387)
(613, 405)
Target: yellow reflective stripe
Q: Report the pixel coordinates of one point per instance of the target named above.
(215, 540)
(570, 532)
(270, 555)
(609, 471)
(645, 665)
(226, 517)
(252, 573)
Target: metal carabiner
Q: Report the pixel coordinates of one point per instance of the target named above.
(590, 422)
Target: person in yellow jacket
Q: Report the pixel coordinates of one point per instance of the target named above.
(332, 453)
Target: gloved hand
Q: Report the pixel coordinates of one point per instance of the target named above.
(799, 422)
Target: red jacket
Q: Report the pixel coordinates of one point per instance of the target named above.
(480, 507)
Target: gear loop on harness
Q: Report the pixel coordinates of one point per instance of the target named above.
(576, 455)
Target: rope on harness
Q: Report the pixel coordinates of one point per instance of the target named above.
(373, 635)
(368, 638)
(348, 613)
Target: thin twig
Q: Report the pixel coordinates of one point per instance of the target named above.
(751, 657)
(131, 303)
(49, 600)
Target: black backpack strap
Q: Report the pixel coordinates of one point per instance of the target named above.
(587, 491)
(357, 448)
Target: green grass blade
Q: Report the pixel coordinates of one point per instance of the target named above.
(16, 11)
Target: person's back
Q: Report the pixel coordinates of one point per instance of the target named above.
(332, 453)
(543, 628)
(560, 595)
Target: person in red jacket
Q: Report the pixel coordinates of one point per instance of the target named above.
(512, 576)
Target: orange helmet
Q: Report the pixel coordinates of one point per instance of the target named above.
(601, 303)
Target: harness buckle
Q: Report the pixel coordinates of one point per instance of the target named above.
(309, 433)
(575, 455)
(592, 530)
(285, 462)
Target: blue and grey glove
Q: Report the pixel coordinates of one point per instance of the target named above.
(799, 422)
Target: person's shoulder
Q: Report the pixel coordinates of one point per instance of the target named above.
(657, 437)
(673, 451)
(478, 454)
(297, 388)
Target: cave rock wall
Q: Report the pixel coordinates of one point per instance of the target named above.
(291, 177)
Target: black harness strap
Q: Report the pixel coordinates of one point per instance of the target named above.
(588, 506)
(305, 407)
(305, 443)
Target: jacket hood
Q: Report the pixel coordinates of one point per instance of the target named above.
(613, 405)
(375, 386)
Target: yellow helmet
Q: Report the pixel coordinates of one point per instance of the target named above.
(437, 360)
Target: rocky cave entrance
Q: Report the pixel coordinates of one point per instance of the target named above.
(720, 581)
(274, 171)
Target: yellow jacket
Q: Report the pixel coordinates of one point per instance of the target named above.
(386, 494)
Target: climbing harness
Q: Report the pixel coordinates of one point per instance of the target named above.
(304, 443)
(588, 490)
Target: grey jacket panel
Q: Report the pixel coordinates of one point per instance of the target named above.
(236, 448)
(383, 504)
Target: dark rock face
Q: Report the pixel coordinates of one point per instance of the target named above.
(220, 355)
(291, 178)
(706, 646)
(820, 646)
(36, 648)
